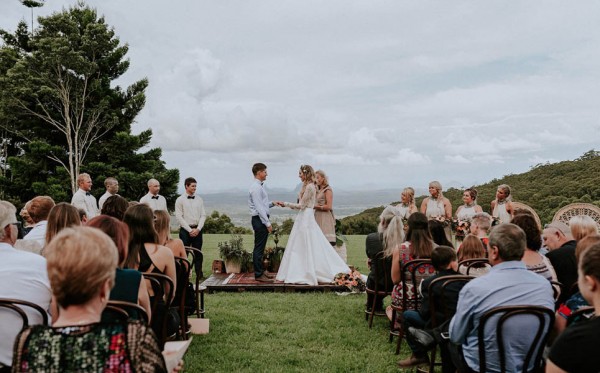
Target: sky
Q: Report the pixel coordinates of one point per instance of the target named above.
(378, 94)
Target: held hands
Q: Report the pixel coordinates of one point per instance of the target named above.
(279, 203)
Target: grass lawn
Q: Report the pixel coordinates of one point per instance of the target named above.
(290, 332)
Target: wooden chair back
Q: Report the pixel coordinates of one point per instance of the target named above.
(473, 263)
(412, 274)
(381, 270)
(582, 313)
(195, 253)
(183, 268)
(444, 282)
(127, 310)
(163, 288)
(501, 315)
(17, 306)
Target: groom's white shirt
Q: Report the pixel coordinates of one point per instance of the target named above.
(258, 201)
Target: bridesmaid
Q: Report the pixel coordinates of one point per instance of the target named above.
(465, 212)
(502, 207)
(407, 203)
(438, 207)
(324, 207)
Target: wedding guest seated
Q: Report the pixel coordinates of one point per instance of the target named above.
(582, 226)
(389, 232)
(472, 248)
(443, 259)
(558, 239)
(575, 301)
(418, 245)
(508, 283)
(162, 224)
(480, 226)
(129, 286)
(534, 261)
(39, 210)
(438, 234)
(115, 206)
(23, 276)
(576, 349)
(63, 215)
(82, 216)
(147, 256)
(27, 220)
(81, 268)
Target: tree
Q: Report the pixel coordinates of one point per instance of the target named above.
(61, 114)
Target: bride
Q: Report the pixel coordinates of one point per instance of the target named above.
(308, 257)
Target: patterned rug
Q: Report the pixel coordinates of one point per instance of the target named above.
(243, 279)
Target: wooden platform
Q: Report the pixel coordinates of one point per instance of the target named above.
(246, 282)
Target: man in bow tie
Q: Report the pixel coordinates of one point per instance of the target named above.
(190, 214)
(112, 187)
(153, 199)
(83, 198)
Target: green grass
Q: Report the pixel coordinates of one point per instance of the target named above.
(290, 332)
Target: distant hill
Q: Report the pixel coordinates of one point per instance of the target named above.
(546, 188)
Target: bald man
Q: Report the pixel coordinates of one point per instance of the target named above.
(153, 199)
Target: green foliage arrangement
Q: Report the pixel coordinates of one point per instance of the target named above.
(233, 250)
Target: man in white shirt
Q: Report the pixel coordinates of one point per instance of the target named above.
(190, 214)
(38, 210)
(83, 198)
(153, 199)
(112, 187)
(23, 276)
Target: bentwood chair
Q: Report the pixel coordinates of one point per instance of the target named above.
(473, 263)
(582, 313)
(411, 275)
(125, 310)
(199, 289)
(381, 271)
(163, 288)
(19, 306)
(500, 323)
(183, 268)
(447, 305)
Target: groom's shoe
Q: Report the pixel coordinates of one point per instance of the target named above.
(270, 274)
(263, 278)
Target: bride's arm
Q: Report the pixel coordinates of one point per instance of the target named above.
(305, 200)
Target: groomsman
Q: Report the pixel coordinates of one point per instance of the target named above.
(190, 214)
(112, 187)
(83, 198)
(259, 205)
(153, 199)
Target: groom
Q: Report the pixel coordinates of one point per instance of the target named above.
(259, 204)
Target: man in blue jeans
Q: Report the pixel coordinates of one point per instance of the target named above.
(259, 205)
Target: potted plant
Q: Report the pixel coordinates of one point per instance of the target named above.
(232, 252)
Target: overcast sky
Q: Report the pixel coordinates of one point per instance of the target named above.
(384, 94)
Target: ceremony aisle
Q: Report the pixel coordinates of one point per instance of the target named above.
(291, 332)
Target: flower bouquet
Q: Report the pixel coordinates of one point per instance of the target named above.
(461, 228)
(442, 219)
(353, 281)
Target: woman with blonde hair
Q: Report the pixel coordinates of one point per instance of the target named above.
(62, 215)
(162, 224)
(81, 268)
(407, 204)
(502, 207)
(582, 226)
(309, 258)
(324, 207)
(438, 207)
(472, 248)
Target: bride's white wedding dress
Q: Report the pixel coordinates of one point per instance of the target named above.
(309, 258)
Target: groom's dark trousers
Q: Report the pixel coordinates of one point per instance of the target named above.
(261, 234)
